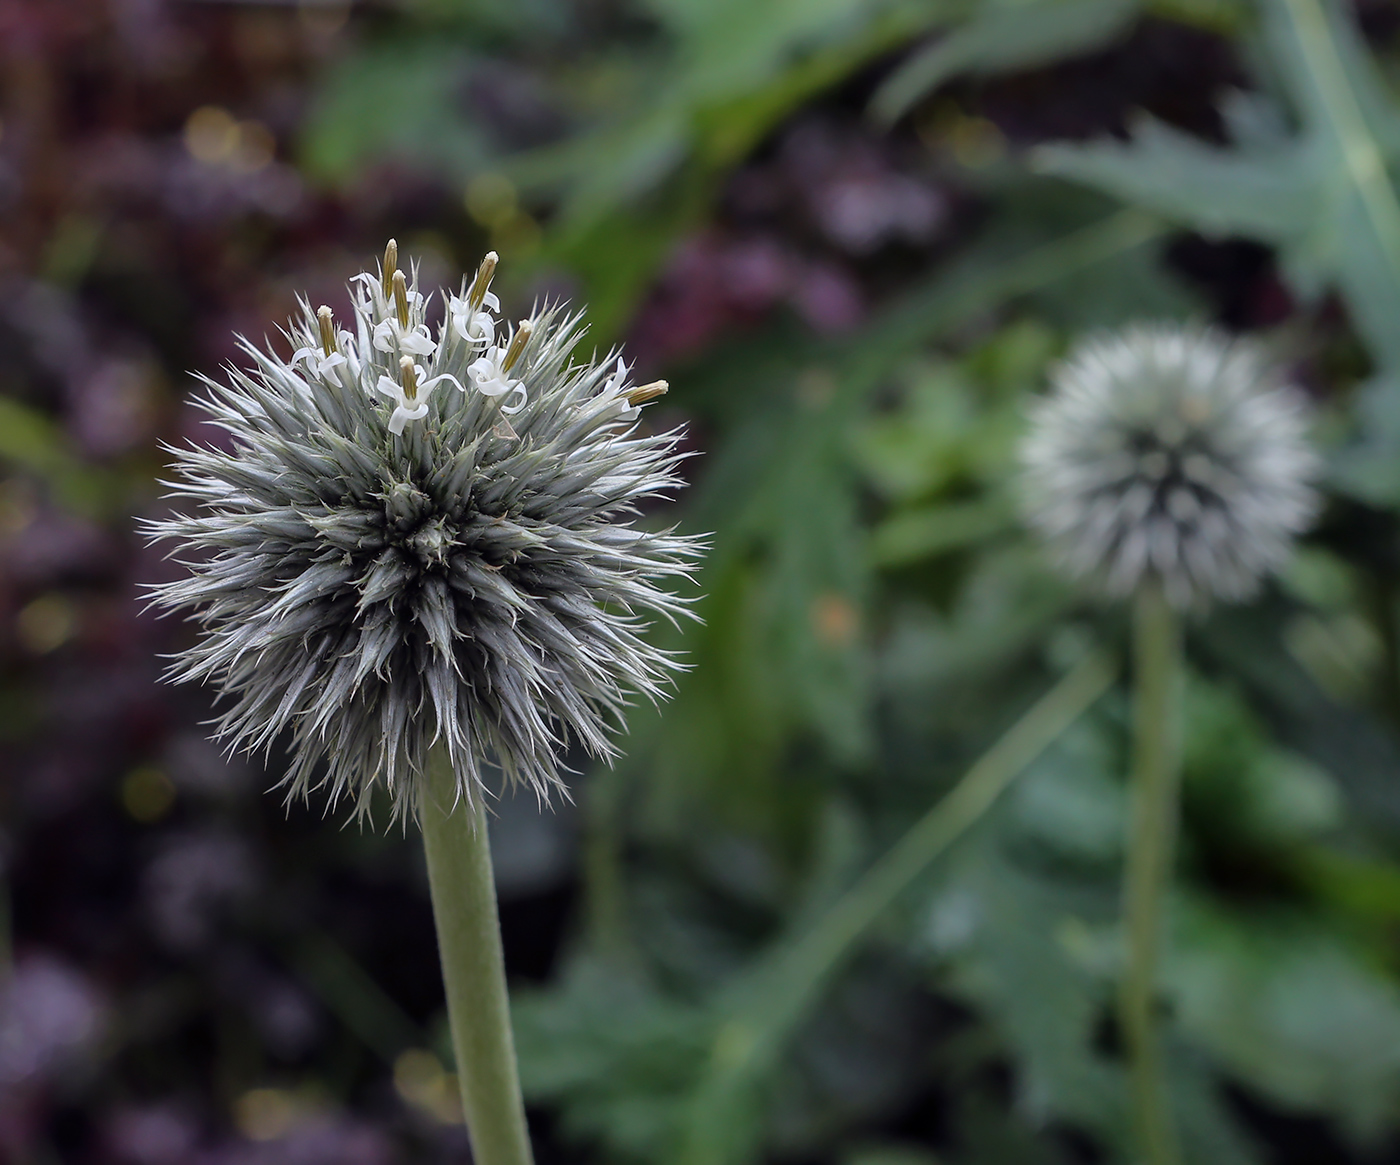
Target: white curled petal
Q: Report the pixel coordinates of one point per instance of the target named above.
(517, 387)
(390, 388)
(406, 412)
(457, 384)
(475, 327)
(482, 330)
(487, 376)
(617, 379)
(417, 342)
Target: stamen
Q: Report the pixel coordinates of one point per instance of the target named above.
(327, 322)
(391, 264)
(410, 378)
(517, 344)
(476, 294)
(645, 392)
(401, 298)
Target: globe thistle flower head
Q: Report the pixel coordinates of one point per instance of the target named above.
(1169, 454)
(424, 536)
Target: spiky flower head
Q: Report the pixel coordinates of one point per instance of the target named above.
(1169, 453)
(424, 536)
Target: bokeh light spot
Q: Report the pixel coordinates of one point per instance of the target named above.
(835, 619)
(518, 237)
(148, 794)
(268, 1114)
(255, 149)
(211, 135)
(46, 624)
(422, 1082)
(491, 200)
(323, 18)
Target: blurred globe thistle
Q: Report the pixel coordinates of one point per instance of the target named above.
(424, 536)
(1169, 453)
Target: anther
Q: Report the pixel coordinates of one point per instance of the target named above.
(401, 298)
(645, 392)
(391, 264)
(327, 322)
(410, 378)
(476, 294)
(517, 344)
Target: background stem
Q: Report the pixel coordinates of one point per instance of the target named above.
(463, 889)
(771, 1003)
(1151, 846)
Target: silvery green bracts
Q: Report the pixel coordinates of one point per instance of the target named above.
(1170, 454)
(423, 535)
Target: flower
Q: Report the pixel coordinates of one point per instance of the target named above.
(327, 356)
(376, 582)
(410, 392)
(1172, 454)
(489, 372)
(470, 312)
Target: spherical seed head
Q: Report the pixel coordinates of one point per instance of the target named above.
(1169, 454)
(405, 546)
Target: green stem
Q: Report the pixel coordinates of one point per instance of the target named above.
(1151, 847)
(771, 1003)
(1361, 153)
(463, 889)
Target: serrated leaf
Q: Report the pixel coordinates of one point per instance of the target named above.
(1323, 196)
(1291, 1011)
(1002, 37)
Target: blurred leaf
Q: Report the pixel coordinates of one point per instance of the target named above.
(1253, 791)
(1001, 37)
(890, 1155)
(915, 535)
(1322, 195)
(994, 933)
(1344, 742)
(1291, 1011)
(774, 998)
(35, 443)
(613, 1054)
(398, 100)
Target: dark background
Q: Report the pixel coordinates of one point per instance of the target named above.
(853, 298)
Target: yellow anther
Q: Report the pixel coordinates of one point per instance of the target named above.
(401, 298)
(391, 264)
(476, 294)
(517, 344)
(327, 322)
(410, 378)
(645, 392)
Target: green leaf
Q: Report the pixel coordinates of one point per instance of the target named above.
(1266, 193)
(395, 99)
(1001, 37)
(1323, 196)
(36, 444)
(1291, 1011)
(612, 1053)
(916, 535)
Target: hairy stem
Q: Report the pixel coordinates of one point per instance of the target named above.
(1152, 827)
(473, 970)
